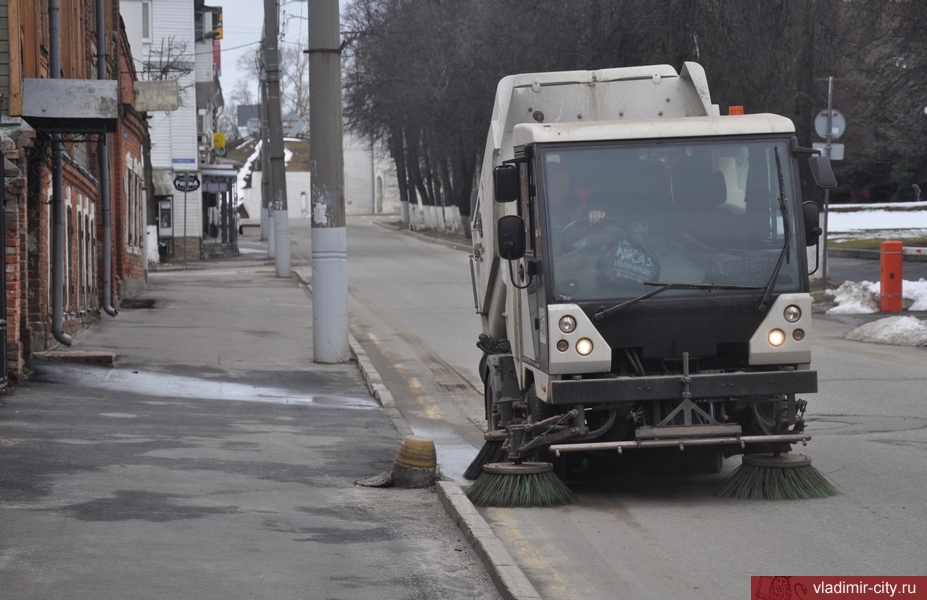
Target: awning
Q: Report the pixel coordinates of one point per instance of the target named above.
(218, 178)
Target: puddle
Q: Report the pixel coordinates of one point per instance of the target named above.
(176, 386)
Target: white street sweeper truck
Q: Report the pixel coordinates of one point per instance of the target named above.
(639, 263)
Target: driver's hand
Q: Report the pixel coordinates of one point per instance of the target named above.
(596, 215)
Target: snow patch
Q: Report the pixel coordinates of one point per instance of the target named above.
(884, 221)
(916, 291)
(896, 331)
(867, 217)
(854, 298)
(246, 168)
(862, 298)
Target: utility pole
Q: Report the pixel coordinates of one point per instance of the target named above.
(829, 142)
(267, 194)
(265, 169)
(329, 236)
(281, 222)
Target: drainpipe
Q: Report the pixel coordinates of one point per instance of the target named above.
(57, 190)
(105, 177)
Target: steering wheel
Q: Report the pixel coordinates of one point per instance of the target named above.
(582, 228)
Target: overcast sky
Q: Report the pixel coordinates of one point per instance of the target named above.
(242, 23)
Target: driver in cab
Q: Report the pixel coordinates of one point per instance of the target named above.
(568, 202)
(573, 218)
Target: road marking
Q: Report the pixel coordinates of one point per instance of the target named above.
(533, 556)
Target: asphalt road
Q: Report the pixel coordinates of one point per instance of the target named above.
(650, 535)
(861, 269)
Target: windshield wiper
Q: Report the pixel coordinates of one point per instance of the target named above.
(763, 307)
(602, 313)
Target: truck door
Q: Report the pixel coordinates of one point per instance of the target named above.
(534, 319)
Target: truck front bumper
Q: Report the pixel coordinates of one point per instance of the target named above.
(673, 387)
(733, 440)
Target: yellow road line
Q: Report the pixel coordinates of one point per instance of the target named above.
(534, 556)
(432, 411)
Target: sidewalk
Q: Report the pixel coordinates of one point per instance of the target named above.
(213, 460)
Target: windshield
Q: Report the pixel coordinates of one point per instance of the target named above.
(619, 216)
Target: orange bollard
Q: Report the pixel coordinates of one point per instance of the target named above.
(891, 253)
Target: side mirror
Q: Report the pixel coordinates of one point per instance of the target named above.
(822, 172)
(505, 183)
(511, 235)
(812, 214)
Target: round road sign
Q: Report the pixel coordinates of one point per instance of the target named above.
(838, 124)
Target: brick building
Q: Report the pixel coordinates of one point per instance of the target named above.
(75, 111)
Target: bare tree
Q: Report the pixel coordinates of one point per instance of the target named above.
(421, 74)
(240, 95)
(294, 80)
(170, 60)
(294, 77)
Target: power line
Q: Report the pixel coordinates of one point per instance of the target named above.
(226, 49)
(206, 53)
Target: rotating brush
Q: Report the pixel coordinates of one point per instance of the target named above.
(491, 452)
(519, 485)
(776, 477)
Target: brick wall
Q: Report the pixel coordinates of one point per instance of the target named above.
(15, 248)
(27, 238)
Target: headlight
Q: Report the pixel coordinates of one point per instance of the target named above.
(567, 324)
(798, 335)
(776, 337)
(792, 313)
(584, 347)
(563, 345)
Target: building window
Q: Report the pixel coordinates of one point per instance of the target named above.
(199, 25)
(135, 205)
(146, 21)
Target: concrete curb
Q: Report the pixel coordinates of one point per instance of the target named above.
(79, 357)
(377, 388)
(504, 571)
(502, 568)
(371, 377)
